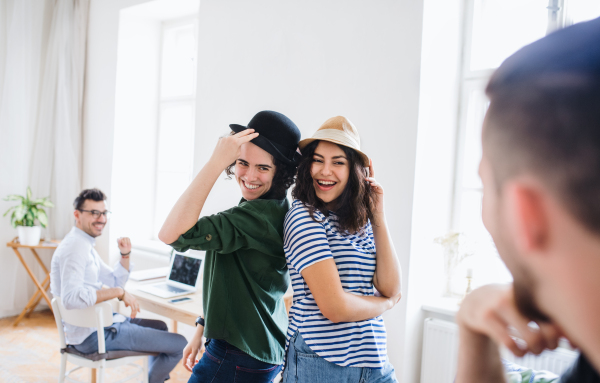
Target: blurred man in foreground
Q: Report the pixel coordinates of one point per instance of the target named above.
(540, 170)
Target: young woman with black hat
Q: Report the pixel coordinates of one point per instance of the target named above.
(342, 262)
(245, 272)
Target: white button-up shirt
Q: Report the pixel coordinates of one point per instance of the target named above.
(76, 273)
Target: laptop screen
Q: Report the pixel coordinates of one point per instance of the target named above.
(185, 269)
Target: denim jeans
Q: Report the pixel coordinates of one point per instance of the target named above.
(224, 363)
(144, 335)
(302, 365)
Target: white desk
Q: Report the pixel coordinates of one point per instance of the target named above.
(183, 312)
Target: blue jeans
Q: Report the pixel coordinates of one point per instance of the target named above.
(222, 362)
(146, 335)
(302, 365)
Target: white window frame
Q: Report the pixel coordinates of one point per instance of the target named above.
(170, 100)
(470, 80)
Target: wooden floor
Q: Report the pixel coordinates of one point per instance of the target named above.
(30, 353)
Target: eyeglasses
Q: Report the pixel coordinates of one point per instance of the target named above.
(96, 213)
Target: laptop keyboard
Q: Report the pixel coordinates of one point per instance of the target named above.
(174, 289)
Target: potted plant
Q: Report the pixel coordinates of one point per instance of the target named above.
(454, 254)
(25, 214)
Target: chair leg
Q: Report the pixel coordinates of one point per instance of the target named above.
(145, 373)
(63, 368)
(101, 372)
(93, 375)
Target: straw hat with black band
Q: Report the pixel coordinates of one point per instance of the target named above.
(277, 135)
(341, 131)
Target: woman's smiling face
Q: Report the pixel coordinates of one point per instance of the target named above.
(330, 171)
(254, 171)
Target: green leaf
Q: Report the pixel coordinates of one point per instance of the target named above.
(29, 210)
(13, 219)
(44, 202)
(8, 211)
(42, 217)
(14, 197)
(19, 213)
(29, 218)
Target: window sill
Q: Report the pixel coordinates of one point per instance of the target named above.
(153, 247)
(442, 306)
(446, 308)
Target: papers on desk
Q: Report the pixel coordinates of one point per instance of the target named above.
(144, 275)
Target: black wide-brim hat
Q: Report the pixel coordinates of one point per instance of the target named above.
(277, 135)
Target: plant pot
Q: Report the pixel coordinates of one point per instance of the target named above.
(29, 235)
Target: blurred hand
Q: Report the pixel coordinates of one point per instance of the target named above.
(124, 245)
(228, 148)
(130, 301)
(491, 311)
(193, 348)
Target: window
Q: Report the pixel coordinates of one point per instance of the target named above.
(495, 29)
(177, 102)
(155, 102)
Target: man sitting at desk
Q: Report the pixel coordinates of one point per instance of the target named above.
(77, 276)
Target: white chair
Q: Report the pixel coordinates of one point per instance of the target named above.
(98, 316)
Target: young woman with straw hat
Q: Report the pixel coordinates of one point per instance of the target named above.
(342, 262)
(245, 272)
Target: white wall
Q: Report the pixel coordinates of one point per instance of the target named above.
(312, 60)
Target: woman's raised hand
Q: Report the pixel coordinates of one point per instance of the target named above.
(228, 148)
(377, 188)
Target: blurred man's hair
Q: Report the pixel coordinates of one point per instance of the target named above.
(544, 118)
(93, 194)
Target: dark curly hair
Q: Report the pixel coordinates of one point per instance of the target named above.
(284, 177)
(356, 203)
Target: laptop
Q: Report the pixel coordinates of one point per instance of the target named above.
(182, 277)
(143, 275)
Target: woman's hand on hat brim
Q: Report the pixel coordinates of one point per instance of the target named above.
(377, 189)
(227, 150)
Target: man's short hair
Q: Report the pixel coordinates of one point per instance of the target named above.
(93, 194)
(544, 118)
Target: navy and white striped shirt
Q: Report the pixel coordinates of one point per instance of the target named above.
(306, 242)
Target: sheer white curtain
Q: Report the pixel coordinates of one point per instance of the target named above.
(56, 157)
(42, 56)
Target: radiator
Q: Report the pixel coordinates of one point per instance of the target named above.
(440, 353)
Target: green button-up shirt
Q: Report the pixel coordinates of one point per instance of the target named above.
(245, 276)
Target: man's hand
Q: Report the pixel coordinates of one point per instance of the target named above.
(130, 301)
(491, 311)
(195, 346)
(124, 245)
(487, 318)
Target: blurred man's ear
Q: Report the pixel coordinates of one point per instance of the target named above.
(528, 216)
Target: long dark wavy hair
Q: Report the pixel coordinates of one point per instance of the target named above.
(284, 177)
(354, 207)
